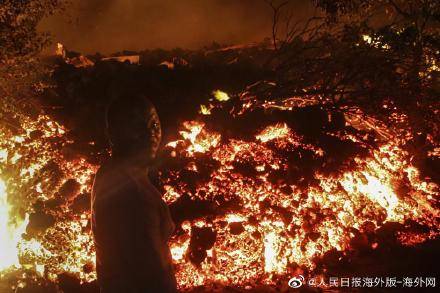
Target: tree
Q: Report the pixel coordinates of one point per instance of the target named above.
(18, 27)
(409, 33)
(363, 53)
(20, 43)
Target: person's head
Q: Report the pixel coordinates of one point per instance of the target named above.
(133, 128)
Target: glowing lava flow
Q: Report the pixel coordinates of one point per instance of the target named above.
(10, 234)
(57, 238)
(273, 213)
(281, 224)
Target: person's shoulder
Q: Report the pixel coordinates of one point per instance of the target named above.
(111, 182)
(105, 172)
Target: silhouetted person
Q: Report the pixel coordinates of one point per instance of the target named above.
(131, 223)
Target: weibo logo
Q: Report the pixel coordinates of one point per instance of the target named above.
(296, 282)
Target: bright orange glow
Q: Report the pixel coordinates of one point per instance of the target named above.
(271, 225)
(322, 216)
(10, 233)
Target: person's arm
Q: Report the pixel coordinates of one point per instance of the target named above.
(133, 231)
(159, 264)
(150, 236)
(115, 216)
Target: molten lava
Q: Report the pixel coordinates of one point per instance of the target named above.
(285, 225)
(266, 217)
(10, 232)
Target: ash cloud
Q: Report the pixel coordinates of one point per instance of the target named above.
(108, 26)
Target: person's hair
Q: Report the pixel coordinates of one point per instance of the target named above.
(121, 114)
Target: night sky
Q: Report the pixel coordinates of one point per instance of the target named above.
(112, 25)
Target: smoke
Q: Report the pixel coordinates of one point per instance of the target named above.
(112, 25)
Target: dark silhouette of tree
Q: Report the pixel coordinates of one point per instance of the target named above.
(408, 29)
(364, 53)
(20, 42)
(18, 27)
(381, 56)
